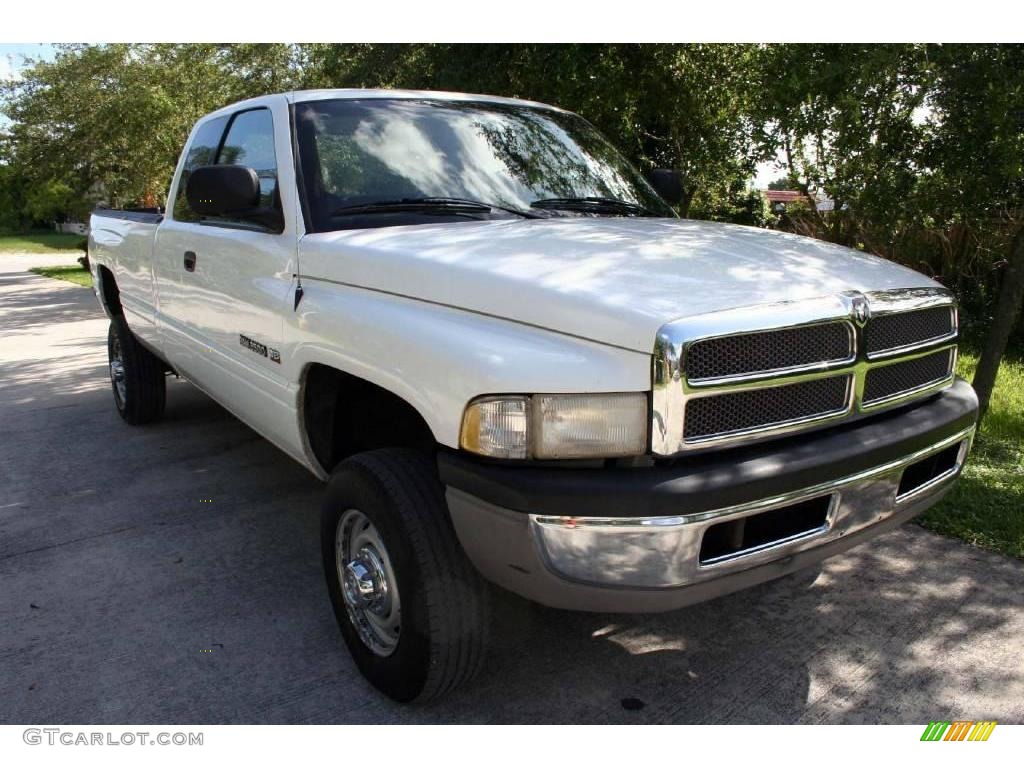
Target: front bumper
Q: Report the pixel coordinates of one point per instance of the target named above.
(631, 539)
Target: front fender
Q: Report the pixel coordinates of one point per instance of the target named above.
(438, 358)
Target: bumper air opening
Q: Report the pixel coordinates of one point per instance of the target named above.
(928, 470)
(735, 538)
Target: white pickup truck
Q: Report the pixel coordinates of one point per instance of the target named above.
(512, 362)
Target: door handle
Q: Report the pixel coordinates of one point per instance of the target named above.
(190, 261)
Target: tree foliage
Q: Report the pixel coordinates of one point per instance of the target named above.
(974, 179)
(48, 200)
(846, 120)
(12, 198)
(110, 120)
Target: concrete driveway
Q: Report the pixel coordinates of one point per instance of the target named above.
(171, 574)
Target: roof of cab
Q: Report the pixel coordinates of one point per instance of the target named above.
(294, 97)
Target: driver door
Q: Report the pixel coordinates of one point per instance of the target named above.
(228, 280)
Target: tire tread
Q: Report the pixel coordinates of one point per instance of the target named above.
(455, 594)
(144, 375)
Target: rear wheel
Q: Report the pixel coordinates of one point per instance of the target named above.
(137, 376)
(410, 606)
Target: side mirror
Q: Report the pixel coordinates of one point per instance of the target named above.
(216, 190)
(668, 184)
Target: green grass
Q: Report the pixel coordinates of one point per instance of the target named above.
(40, 242)
(75, 274)
(986, 507)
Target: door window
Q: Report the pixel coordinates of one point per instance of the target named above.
(200, 152)
(250, 142)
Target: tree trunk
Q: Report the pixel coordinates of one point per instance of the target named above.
(1011, 293)
(684, 205)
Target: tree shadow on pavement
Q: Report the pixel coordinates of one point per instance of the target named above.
(31, 303)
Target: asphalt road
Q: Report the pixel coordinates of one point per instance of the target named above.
(171, 574)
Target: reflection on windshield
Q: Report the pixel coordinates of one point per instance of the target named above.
(402, 146)
(360, 151)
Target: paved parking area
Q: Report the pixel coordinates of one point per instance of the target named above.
(171, 574)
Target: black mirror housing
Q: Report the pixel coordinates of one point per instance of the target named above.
(668, 184)
(216, 190)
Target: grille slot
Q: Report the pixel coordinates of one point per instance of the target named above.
(904, 329)
(746, 535)
(755, 409)
(906, 376)
(767, 351)
(928, 470)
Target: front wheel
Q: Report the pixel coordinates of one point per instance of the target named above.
(410, 606)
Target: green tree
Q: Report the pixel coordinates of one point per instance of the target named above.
(13, 186)
(742, 204)
(48, 201)
(973, 164)
(110, 120)
(846, 119)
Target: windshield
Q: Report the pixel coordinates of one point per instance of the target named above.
(354, 153)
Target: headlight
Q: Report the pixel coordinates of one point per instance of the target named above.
(497, 426)
(557, 426)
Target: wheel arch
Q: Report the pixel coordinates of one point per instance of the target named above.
(109, 293)
(342, 414)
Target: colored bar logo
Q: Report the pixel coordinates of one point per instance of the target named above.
(958, 730)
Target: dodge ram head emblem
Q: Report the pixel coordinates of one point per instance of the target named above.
(860, 309)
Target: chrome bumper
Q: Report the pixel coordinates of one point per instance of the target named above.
(662, 552)
(612, 564)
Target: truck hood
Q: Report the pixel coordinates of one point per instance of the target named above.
(610, 280)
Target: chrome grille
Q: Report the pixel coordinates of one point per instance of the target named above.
(755, 409)
(769, 351)
(758, 372)
(904, 329)
(907, 376)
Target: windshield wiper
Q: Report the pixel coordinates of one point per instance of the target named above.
(415, 204)
(593, 205)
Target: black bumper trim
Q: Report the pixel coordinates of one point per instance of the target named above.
(701, 483)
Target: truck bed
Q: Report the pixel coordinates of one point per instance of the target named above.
(142, 215)
(121, 241)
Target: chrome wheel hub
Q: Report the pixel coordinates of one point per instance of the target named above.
(117, 372)
(367, 582)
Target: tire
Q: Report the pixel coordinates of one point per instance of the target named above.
(137, 376)
(440, 637)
